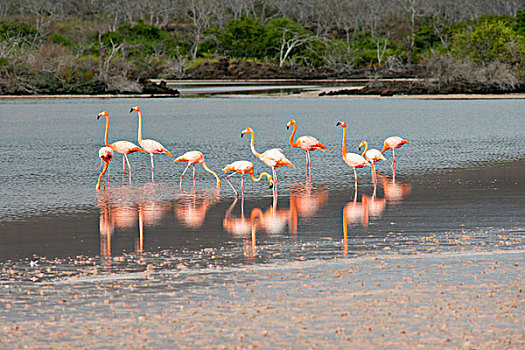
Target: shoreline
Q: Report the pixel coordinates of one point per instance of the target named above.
(305, 94)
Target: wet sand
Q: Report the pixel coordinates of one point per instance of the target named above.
(470, 300)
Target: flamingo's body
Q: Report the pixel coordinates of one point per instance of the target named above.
(150, 146)
(244, 167)
(194, 157)
(392, 143)
(306, 143)
(106, 155)
(274, 158)
(353, 160)
(122, 147)
(372, 156)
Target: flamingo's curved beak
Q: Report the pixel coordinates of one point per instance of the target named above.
(242, 134)
(98, 117)
(338, 123)
(131, 110)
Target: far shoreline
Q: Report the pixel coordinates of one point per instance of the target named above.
(309, 93)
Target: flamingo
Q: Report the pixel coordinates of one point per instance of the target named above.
(122, 147)
(372, 156)
(306, 143)
(274, 158)
(150, 146)
(106, 155)
(353, 160)
(244, 167)
(192, 158)
(392, 143)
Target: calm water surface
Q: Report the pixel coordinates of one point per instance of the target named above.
(460, 186)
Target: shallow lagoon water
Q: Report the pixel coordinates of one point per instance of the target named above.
(133, 259)
(465, 154)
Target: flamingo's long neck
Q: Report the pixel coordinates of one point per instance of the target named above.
(106, 137)
(106, 164)
(140, 127)
(257, 179)
(344, 142)
(366, 148)
(213, 173)
(252, 145)
(293, 134)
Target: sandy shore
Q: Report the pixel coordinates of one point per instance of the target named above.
(470, 300)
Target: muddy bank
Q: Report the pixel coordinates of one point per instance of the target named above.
(423, 87)
(119, 87)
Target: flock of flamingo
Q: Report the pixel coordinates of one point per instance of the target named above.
(274, 158)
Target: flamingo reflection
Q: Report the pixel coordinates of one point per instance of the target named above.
(125, 209)
(354, 212)
(394, 190)
(307, 200)
(191, 209)
(107, 228)
(244, 227)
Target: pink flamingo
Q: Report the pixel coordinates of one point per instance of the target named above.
(353, 160)
(150, 146)
(194, 157)
(274, 158)
(306, 143)
(244, 167)
(122, 147)
(392, 143)
(372, 156)
(106, 155)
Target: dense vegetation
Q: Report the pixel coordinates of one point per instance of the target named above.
(78, 46)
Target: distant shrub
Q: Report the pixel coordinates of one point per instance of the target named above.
(20, 33)
(60, 39)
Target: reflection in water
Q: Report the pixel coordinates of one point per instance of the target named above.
(128, 208)
(107, 228)
(191, 208)
(136, 208)
(394, 190)
(241, 226)
(306, 199)
(371, 207)
(273, 221)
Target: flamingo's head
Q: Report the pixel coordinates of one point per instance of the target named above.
(136, 108)
(103, 114)
(343, 124)
(291, 122)
(363, 143)
(247, 130)
(270, 180)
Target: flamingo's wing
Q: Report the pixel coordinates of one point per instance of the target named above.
(154, 147)
(125, 147)
(309, 143)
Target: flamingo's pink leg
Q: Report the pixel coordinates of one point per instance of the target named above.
(242, 184)
(152, 169)
(182, 176)
(129, 167)
(234, 190)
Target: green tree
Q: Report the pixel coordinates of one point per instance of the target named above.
(243, 38)
(489, 41)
